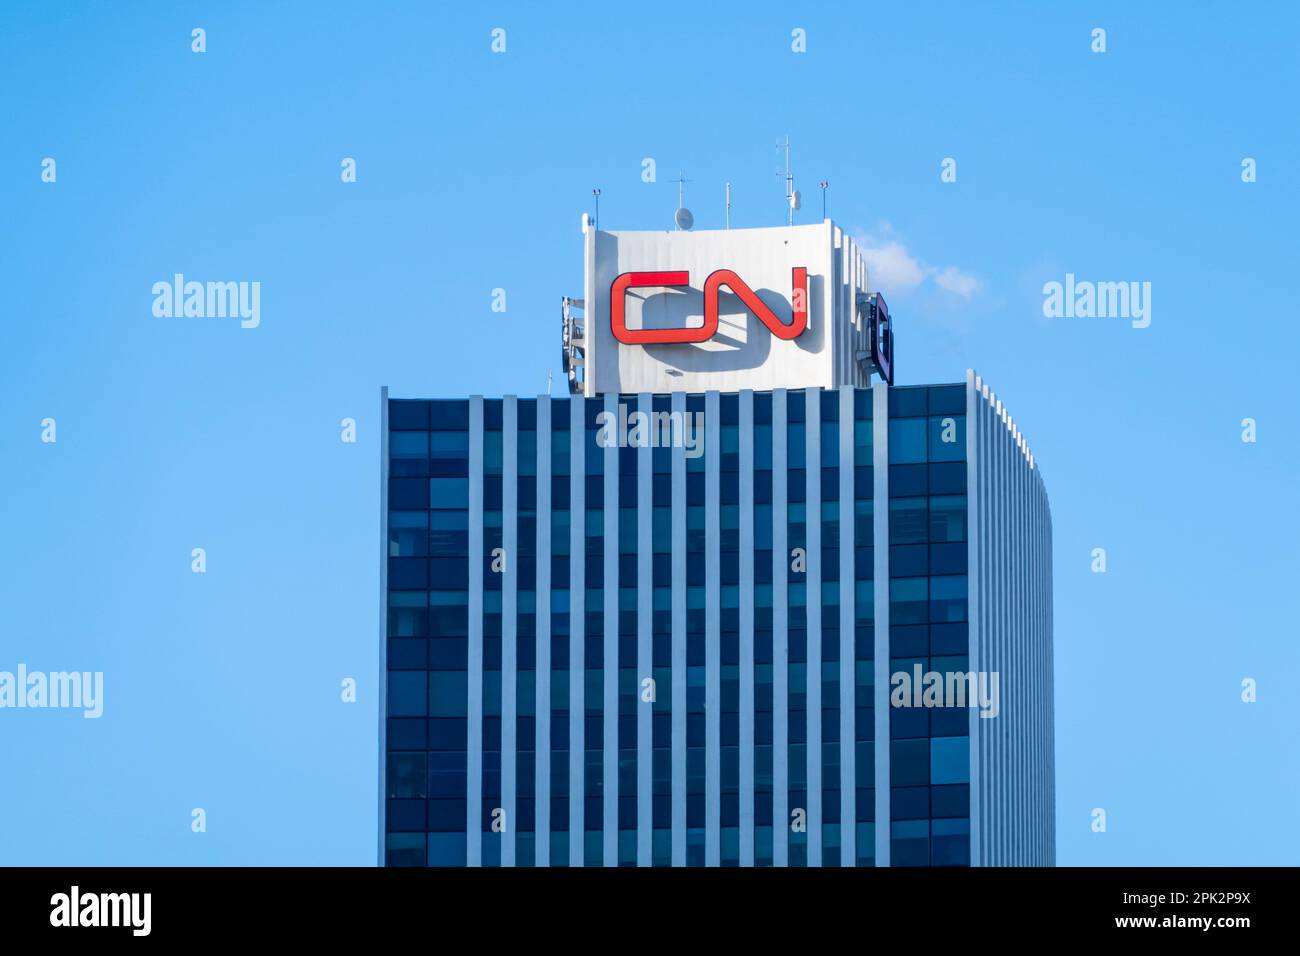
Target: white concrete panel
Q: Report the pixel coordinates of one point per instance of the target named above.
(743, 353)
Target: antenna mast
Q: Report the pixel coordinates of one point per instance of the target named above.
(682, 217)
(791, 195)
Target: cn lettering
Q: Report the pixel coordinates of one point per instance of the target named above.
(712, 286)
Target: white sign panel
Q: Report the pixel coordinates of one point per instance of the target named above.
(722, 310)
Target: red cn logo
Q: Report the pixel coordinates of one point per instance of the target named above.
(637, 280)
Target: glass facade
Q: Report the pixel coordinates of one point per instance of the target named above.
(428, 577)
(929, 748)
(676, 652)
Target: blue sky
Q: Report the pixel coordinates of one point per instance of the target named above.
(222, 689)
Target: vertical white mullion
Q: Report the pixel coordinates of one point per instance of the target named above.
(1012, 598)
(645, 640)
(1022, 658)
(973, 603)
(577, 628)
(542, 720)
(1036, 686)
(1045, 635)
(1034, 675)
(1022, 672)
(1040, 685)
(978, 537)
(992, 617)
(1049, 626)
(1030, 679)
(1017, 622)
(1026, 683)
(1051, 670)
(1013, 775)
(1049, 679)
(609, 711)
(989, 546)
(999, 634)
(1007, 780)
(1013, 641)
(509, 621)
(1004, 643)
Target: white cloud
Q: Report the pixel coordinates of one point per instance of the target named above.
(957, 282)
(894, 268)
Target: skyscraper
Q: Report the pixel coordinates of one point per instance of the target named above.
(753, 624)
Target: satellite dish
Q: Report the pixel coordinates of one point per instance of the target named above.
(683, 218)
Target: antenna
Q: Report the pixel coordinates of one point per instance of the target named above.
(683, 216)
(792, 198)
(548, 383)
(824, 185)
(728, 205)
(596, 193)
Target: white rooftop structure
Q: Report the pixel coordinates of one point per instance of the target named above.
(722, 309)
